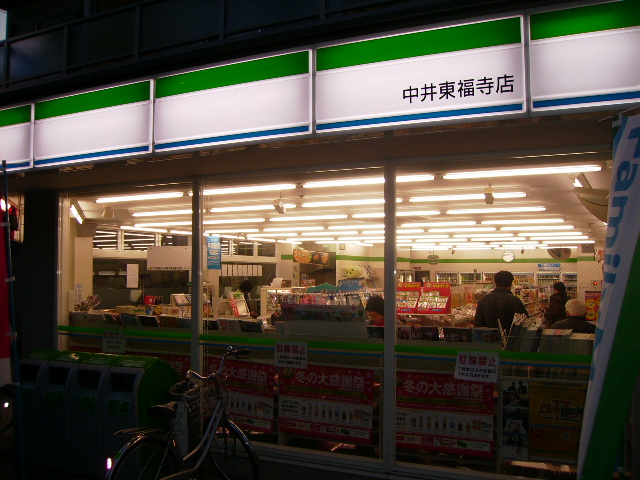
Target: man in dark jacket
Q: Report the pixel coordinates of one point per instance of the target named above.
(576, 319)
(499, 304)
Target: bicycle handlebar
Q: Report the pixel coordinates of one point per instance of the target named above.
(236, 352)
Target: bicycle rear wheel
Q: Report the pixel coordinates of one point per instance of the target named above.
(144, 458)
(232, 454)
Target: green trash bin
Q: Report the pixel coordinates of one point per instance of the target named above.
(55, 405)
(31, 369)
(132, 385)
(87, 439)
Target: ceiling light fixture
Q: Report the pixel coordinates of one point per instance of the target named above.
(463, 229)
(249, 189)
(468, 211)
(517, 221)
(143, 229)
(307, 217)
(135, 198)
(250, 208)
(161, 213)
(539, 227)
(235, 220)
(77, 212)
(469, 196)
(358, 227)
(439, 224)
(522, 171)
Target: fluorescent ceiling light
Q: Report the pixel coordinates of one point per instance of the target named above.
(540, 227)
(414, 178)
(495, 235)
(145, 196)
(250, 189)
(463, 229)
(312, 239)
(97, 240)
(75, 211)
(277, 234)
(368, 215)
(161, 213)
(488, 210)
(495, 239)
(234, 220)
(287, 218)
(161, 224)
(232, 230)
(356, 227)
(468, 196)
(249, 208)
(345, 203)
(320, 234)
(439, 224)
(556, 242)
(270, 240)
(549, 234)
(522, 171)
(180, 232)
(288, 229)
(517, 221)
(426, 247)
(356, 239)
(143, 229)
(367, 181)
(411, 213)
(428, 237)
(409, 230)
(560, 237)
(348, 182)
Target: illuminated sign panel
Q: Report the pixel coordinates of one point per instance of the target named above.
(463, 71)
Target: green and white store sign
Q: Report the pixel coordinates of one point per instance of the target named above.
(583, 57)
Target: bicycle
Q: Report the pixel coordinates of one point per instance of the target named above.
(153, 453)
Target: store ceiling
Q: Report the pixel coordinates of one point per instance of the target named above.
(431, 150)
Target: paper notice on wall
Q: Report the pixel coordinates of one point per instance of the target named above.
(132, 275)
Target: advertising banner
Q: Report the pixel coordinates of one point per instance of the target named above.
(615, 362)
(439, 412)
(333, 403)
(555, 418)
(251, 389)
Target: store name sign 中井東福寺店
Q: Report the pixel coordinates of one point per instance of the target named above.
(460, 71)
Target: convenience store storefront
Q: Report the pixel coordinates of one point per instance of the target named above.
(317, 146)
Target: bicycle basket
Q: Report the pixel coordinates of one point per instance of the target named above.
(201, 399)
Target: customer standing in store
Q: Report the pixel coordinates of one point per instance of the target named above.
(557, 301)
(245, 287)
(498, 307)
(576, 318)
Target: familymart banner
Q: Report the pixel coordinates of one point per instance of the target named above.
(615, 361)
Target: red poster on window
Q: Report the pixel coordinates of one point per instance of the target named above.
(251, 393)
(327, 402)
(438, 412)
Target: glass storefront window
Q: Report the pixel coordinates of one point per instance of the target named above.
(291, 264)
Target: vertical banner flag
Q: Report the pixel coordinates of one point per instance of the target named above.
(615, 360)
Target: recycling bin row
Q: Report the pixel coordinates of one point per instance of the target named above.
(73, 402)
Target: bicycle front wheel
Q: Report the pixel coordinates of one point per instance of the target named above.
(232, 454)
(144, 458)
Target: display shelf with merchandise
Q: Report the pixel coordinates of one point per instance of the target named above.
(570, 281)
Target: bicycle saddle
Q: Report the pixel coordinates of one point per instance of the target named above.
(163, 411)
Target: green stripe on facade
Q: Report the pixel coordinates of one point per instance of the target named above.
(594, 18)
(84, 102)
(234, 74)
(464, 37)
(15, 116)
